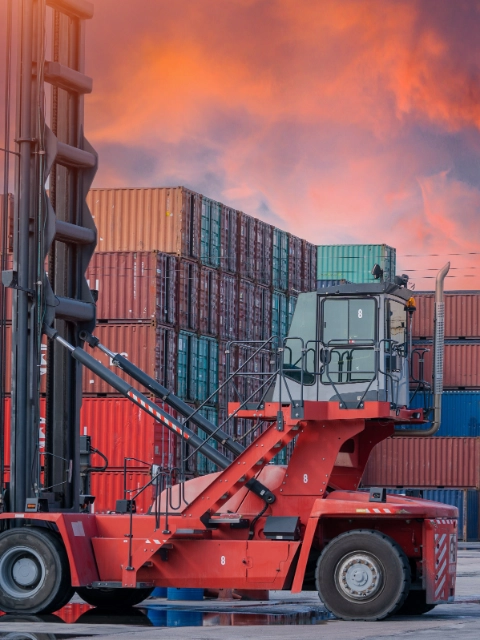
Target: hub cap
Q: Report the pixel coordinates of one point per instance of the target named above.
(22, 572)
(359, 576)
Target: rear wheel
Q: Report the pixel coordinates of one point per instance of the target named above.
(415, 604)
(113, 598)
(34, 571)
(363, 575)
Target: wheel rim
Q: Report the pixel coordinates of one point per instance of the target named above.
(22, 572)
(359, 576)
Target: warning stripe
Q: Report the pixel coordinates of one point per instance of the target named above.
(158, 415)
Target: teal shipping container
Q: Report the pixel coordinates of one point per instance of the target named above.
(460, 412)
(292, 303)
(280, 260)
(279, 314)
(197, 367)
(354, 262)
(210, 237)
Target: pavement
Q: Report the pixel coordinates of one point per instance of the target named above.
(299, 616)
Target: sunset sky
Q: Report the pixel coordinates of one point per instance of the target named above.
(342, 121)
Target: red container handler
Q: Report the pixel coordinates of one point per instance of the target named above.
(107, 488)
(462, 315)
(460, 368)
(42, 369)
(424, 462)
(134, 285)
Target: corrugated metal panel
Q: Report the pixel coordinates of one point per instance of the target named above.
(265, 324)
(322, 284)
(295, 256)
(137, 342)
(166, 356)
(228, 307)
(460, 412)
(462, 315)
(263, 253)
(208, 302)
(279, 314)
(210, 236)
(187, 350)
(246, 310)
(354, 262)
(309, 266)
(164, 219)
(246, 238)
(207, 369)
(229, 231)
(134, 285)
(107, 488)
(460, 364)
(280, 260)
(424, 462)
(188, 286)
(227, 393)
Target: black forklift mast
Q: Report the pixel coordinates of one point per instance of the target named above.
(55, 226)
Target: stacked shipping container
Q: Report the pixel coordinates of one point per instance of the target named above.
(403, 461)
(184, 276)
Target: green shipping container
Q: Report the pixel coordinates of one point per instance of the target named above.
(354, 262)
(279, 314)
(280, 260)
(197, 367)
(210, 237)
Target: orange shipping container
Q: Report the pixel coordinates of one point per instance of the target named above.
(460, 368)
(163, 219)
(424, 462)
(462, 315)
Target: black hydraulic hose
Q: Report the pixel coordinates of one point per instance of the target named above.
(170, 398)
(140, 400)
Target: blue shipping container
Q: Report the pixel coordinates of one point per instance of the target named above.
(203, 464)
(279, 314)
(460, 412)
(280, 260)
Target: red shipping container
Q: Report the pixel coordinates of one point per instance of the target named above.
(460, 369)
(118, 428)
(295, 257)
(145, 345)
(462, 315)
(208, 302)
(246, 263)
(228, 306)
(247, 320)
(424, 462)
(263, 253)
(134, 285)
(188, 279)
(228, 246)
(108, 487)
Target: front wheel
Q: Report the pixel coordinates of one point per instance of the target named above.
(34, 571)
(113, 598)
(363, 575)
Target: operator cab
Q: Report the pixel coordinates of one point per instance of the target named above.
(348, 344)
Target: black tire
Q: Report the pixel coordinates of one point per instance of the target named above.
(113, 598)
(363, 575)
(34, 571)
(415, 604)
(127, 616)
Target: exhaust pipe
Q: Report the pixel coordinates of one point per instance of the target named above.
(438, 351)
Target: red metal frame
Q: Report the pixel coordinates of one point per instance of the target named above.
(318, 485)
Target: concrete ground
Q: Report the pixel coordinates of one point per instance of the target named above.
(460, 620)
